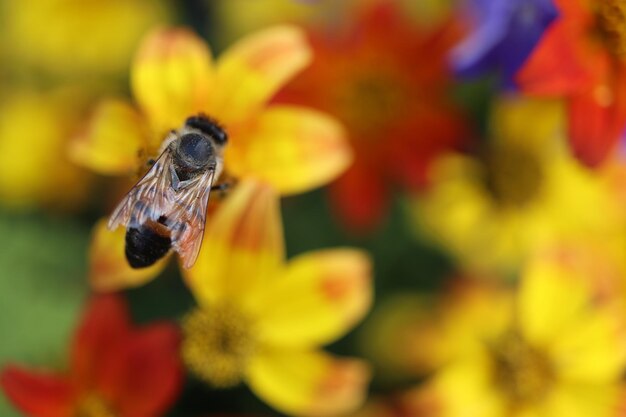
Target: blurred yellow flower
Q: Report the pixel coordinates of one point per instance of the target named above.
(261, 321)
(291, 148)
(34, 131)
(559, 352)
(70, 37)
(398, 324)
(238, 17)
(411, 335)
(521, 192)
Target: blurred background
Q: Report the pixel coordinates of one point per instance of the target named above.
(475, 184)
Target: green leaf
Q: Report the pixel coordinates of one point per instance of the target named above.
(42, 288)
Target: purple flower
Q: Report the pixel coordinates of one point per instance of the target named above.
(504, 34)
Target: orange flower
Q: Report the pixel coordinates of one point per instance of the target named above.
(115, 369)
(386, 79)
(293, 149)
(582, 58)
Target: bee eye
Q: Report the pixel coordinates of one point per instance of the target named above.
(195, 148)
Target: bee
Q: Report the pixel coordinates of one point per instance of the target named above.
(166, 209)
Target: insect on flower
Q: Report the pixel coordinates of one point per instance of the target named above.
(167, 208)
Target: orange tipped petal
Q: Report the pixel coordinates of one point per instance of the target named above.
(243, 246)
(108, 267)
(252, 70)
(113, 140)
(321, 296)
(37, 395)
(308, 383)
(171, 77)
(293, 149)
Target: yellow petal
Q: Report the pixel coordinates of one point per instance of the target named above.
(34, 131)
(510, 121)
(108, 268)
(322, 295)
(582, 400)
(113, 141)
(568, 305)
(305, 383)
(593, 351)
(465, 387)
(550, 300)
(253, 69)
(293, 149)
(243, 246)
(78, 41)
(171, 76)
(239, 17)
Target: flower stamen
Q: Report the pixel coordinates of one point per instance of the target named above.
(513, 176)
(94, 406)
(524, 373)
(611, 24)
(370, 102)
(217, 344)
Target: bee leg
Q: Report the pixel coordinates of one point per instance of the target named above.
(222, 188)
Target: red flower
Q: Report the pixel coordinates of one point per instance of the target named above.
(386, 80)
(582, 57)
(115, 370)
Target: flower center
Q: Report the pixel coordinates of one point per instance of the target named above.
(369, 103)
(217, 344)
(611, 25)
(523, 373)
(514, 175)
(94, 406)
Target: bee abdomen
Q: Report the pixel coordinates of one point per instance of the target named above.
(144, 246)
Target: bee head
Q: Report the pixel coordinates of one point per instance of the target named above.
(194, 151)
(209, 127)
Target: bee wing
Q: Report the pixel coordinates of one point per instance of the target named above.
(148, 199)
(187, 218)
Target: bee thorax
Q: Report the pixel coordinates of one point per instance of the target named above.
(194, 152)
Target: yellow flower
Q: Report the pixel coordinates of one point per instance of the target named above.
(411, 335)
(522, 192)
(34, 170)
(261, 321)
(69, 37)
(174, 76)
(559, 352)
(237, 17)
